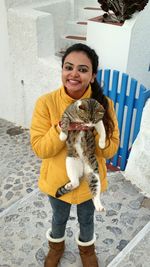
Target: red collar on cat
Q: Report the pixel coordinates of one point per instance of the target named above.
(77, 126)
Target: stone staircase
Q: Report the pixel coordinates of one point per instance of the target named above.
(75, 29)
(53, 30)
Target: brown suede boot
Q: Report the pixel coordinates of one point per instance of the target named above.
(87, 253)
(88, 256)
(57, 247)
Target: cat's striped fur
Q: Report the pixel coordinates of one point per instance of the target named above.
(81, 160)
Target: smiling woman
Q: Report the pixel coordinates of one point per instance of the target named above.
(79, 68)
(76, 77)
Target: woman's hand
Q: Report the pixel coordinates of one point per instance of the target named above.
(78, 126)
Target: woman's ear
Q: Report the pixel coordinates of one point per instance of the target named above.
(93, 77)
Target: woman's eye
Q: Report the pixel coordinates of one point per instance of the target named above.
(83, 70)
(68, 67)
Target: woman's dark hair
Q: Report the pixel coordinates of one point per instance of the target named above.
(97, 91)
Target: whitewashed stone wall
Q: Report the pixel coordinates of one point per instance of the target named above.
(6, 92)
(138, 166)
(29, 67)
(30, 32)
(125, 48)
(139, 54)
(15, 3)
(112, 43)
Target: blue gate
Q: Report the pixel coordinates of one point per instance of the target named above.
(129, 99)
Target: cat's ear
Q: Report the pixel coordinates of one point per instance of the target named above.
(100, 108)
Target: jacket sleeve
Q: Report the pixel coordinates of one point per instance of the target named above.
(113, 143)
(44, 137)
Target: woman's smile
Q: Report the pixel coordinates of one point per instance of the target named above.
(73, 82)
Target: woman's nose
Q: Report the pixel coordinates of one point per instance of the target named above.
(74, 72)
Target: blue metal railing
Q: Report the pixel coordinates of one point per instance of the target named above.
(129, 99)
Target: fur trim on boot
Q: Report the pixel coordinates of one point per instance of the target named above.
(87, 253)
(57, 247)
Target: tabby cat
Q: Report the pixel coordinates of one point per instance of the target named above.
(77, 125)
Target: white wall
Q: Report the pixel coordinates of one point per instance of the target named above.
(111, 43)
(15, 3)
(27, 62)
(59, 18)
(30, 31)
(6, 90)
(139, 53)
(125, 48)
(138, 166)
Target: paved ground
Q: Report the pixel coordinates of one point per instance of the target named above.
(136, 253)
(123, 231)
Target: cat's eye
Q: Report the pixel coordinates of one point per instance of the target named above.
(82, 107)
(100, 112)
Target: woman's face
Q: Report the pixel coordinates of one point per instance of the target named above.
(77, 74)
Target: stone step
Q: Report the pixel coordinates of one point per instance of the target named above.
(76, 30)
(76, 27)
(87, 12)
(92, 8)
(60, 53)
(70, 39)
(75, 37)
(82, 22)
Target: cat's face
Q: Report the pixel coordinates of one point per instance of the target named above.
(77, 74)
(89, 110)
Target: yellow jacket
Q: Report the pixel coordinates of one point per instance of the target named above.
(47, 146)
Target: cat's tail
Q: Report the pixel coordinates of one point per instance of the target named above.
(63, 190)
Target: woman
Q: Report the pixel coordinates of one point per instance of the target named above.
(79, 69)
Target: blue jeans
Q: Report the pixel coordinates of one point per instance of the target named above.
(61, 211)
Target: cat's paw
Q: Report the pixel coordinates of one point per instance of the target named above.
(63, 136)
(101, 144)
(100, 208)
(98, 205)
(69, 186)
